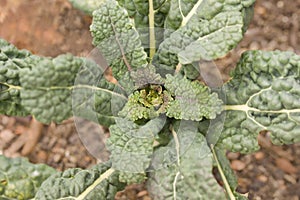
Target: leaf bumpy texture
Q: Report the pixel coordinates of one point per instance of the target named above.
(263, 95)
(53, 89)
(100, 182)
(131, 147)
(182, 169)
(202, 30)
(87, 6)
(20, 179)
(115, 35)
(193, 100)
(12, 61)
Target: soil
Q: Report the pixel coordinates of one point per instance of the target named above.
(52, 27)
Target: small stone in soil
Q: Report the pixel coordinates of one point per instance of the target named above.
(7, 136)
(238, 165)
(233, 155)
(42, 155)
(286, 166)
(262, 178)
(259, 155)
(57, 158)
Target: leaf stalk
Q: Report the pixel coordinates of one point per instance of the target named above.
(226, 184)
(151, 30)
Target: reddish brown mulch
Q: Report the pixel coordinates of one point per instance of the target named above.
(52, 27)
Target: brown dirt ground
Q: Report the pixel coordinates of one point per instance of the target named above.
(52, 27)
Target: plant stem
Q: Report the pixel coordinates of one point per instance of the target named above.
(104, 176)
(226, 184)
(151, 30)
(177, 145)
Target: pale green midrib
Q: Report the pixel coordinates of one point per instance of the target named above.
(104, 176)
(151, 30)
(10, 87)
(180, 9)
(121, 49)
(89, 189)
(177, 147)
(156, 10)
(226, 184)
(119, 44)
(191, 13)
(174, 185)
(204, 37)
(246, 108)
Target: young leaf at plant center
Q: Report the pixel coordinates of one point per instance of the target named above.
(263, 94)
(145, 76)
(131, 145)
(149, 100)
(20, 179)
(193, 100)
(87, 6)
(116, 37)
(146, 103)
(100, 182)
(208, 30)
(182, 169)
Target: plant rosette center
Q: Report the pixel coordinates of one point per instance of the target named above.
(146, 103)
(151, 96)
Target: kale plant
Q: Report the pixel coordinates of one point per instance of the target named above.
(166, 126)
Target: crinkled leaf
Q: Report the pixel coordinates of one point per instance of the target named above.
(87, 6)
(94, 98)
(146, 79)
(146, 103)
(131, 145)
(263, 94)
(145, 76)
(47, 87)
(132, 178)
(116, 37)
(225, 32)
(20, 179)
(178, 10)
(11, 61)
(135, 110)
(183, 169)
(100, 182)
(193, 100)
(205, 30)
(139, 11)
